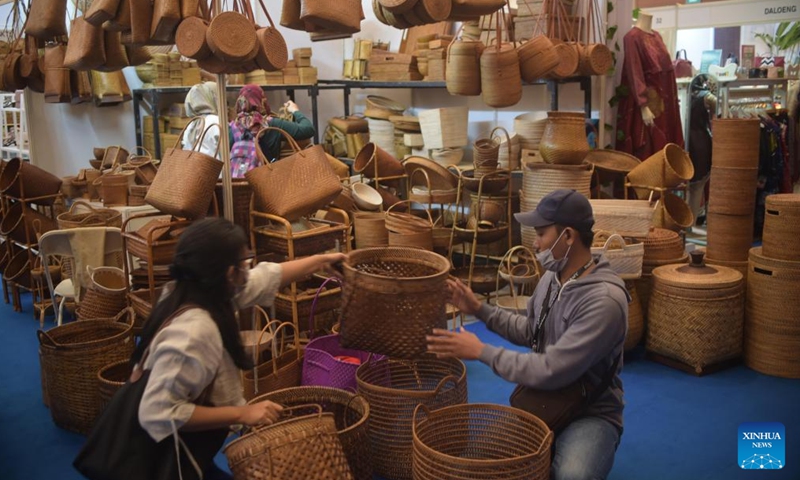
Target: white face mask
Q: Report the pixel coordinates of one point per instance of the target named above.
(549, 263)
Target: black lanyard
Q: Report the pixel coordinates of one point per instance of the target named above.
(538, 332)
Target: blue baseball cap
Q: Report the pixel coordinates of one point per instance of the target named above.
(560, 207)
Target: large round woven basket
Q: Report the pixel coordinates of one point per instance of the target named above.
(501, 82)
(772, 332)
(110, 379)
(392, 298)
(662, 245)
(644, 285)
(564, 140)
(696, 313)
(735, 142)
(537, 58)
(781, 239)
(350, 414)
(480, 441)
(729, 236)
(393, 389)
(71, 356)
(732, 191)
(539, 179)
(673, 213)
(370, 229)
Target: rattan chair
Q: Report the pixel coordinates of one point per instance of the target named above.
(57, 243)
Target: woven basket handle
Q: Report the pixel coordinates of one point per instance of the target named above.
(443, 382)
(347, 406)
(286, 417)
(46, 340)
(314, 304)
(275, 344)
(199, 142)
(197, 137)
(614, 237)
(424, 174)
(82, 204)
(269, 324)
(144, 150)
(508, 139)
(266, 12)
(410, 203)
(414, 417)
(292, 143)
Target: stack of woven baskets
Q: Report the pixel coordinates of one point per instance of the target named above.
(732, 194)
(772, 332)
(661, 247)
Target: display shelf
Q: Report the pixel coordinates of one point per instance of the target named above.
(552, 87)
(150, 99)
(758, 90)
(14, 139)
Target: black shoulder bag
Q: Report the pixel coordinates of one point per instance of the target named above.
(118, 447)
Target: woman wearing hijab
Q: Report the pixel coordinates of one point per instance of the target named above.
(201, 101)
(253, 114)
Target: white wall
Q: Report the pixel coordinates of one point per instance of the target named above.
(64, 135)
(695, 41)
(748, 36)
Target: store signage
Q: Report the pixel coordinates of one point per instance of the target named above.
(780, 10)
(734, 12)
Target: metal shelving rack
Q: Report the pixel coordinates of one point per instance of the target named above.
(150, 99)
(770, 89)
(15, 139)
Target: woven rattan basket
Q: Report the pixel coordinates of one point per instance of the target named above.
(772, 333)
(463, 69)
(729, 236)
(89, 217)
(732, 191)
(673, 213)
(298, 448)
(612, 160)
(322, 236)
(283, 370)
(644, 284)
(629, 218)
(539, 179)
(71, 356)
(329, 299)
(370, 229)
(735, 142)
(463, 442)
(393, 389)
(624, 256)
(110, 379)
(696, 313)
(392, 298)
(661, 245)
(782, 227)
(668, 167)
(350, 413)
(564, 140)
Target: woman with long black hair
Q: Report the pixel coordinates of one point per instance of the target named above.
(191, 344)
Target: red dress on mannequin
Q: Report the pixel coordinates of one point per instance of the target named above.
(649, 75)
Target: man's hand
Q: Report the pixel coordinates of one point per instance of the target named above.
(462, 297)
(461, 344)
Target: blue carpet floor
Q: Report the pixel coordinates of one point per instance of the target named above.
(677, 426)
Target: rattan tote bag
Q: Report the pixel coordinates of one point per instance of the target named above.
(185, 182)
(296, 185)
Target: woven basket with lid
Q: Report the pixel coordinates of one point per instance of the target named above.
(696, 313)
(662, 244)
(782, 227)
(772, 332)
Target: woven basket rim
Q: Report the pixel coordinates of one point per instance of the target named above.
(434, 258)
(612, 160)
(414, 393)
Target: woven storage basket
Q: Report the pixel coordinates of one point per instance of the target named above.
(392, 298)
(444, 127)
(612, 160)
(22, 224)
(732, 191)
(735, 142)
(668, 167)
(372, 161)
(303, 447)
(781, 239)
(110, 379)
(480, 441)
(644, 285)
(18, 178)
(463, 67)
(329, 299)
(729, 236)
(501, 81)
(162, 250)
(350, 413)
(529, 128)
(594, 59)
(71, 356)
(494, 182)
(106, 296)
(696, 313)
(625, 258)
(635, 318)
(564, 140)
(662, 245)
(241, 193)
(539, 179)
(370, 229)
(673, 213)
(568, 60)
(393, 389)
(18, 270)
(232, 37)
(319, 238)
(629, 218)
(141, 301)
(772, 333)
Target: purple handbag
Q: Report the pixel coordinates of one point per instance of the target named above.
(321, 367)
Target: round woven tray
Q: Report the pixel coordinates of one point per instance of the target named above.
(612, 160)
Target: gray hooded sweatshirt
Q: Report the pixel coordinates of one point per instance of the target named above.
(585, 331)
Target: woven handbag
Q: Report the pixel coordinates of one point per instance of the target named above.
(272, 51)
(116, 56)
(295, 186)
(232, 35)
(184, 184)
(141, 18)
(46, 19)
(85, 48)
(121, 21)
(56, 75)
(284, 370)
(101, 11)
(166, 17)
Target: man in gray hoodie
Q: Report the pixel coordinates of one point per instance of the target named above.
(575, 327)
